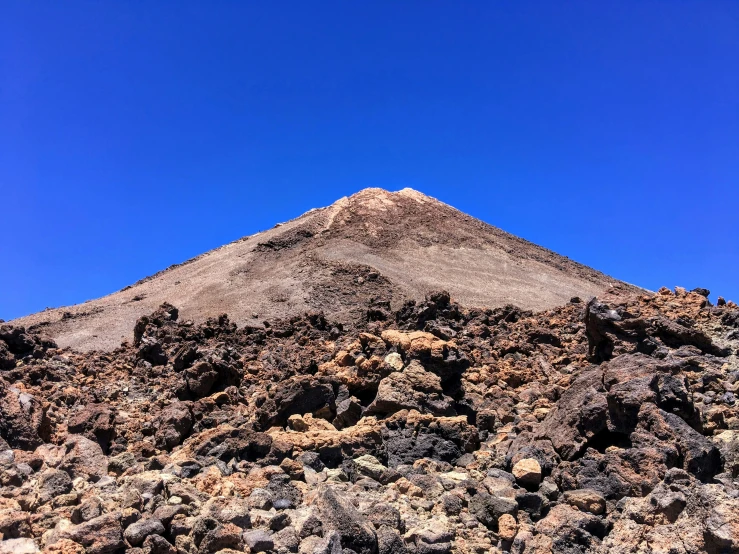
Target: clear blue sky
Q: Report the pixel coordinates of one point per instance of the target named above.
(134, 135)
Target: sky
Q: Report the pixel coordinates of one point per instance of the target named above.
(135, 135)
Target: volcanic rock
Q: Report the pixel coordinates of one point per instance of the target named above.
(413, 424)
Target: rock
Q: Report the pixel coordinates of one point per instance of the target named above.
(390, 542)
(18, 341)
(331, 544)
(305, 423)
(185, 356)
(488, 509)
(527, 472)
(94, 421)
(173, 425)
(228, 510)
(284, 493)
(369, 466)
(156, 544)
(7, 360)
(18, 546)
(152, 351)
(84, 458)
(507, 527)
(586, 500)
(286, 540)
(258, 540)
(52, 483)
(23, 420)
(412, 389)
(200, 378)
(227, 536)
(101, 535)
(147, 483)
(120, 463)
(89, 509)
(567, 525)
(137, 532)
(434, 541)
(260, 499)
(340, 515)
(410, 436)
(298, 395)
(348, 413)
(383, 514)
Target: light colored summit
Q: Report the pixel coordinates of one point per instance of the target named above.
(375, 244)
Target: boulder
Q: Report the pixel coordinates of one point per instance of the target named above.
(137, 532)
(101, 535)
(488, 509)
(84, 458)
(94, 421)
(19, 546)
(200, 378)
(527, 472)
(23, 420)
(507, 527)
(338, 514)
(586, 500)
(258, 540)
(173, 425)
(412, 389)
(298, 395)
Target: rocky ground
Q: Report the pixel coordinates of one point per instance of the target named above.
(601, 426)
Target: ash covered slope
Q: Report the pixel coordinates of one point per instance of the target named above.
(374, 244)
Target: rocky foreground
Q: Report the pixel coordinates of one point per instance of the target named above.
(601, 426)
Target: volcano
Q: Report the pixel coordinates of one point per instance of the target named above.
(373, 245)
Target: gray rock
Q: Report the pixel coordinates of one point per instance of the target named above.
(338, 514)
(260, 499)
(54, 482)
(487, 508)
(137, 532)
(259, 540)
(89, 509)
(390, 542)
(228, 510)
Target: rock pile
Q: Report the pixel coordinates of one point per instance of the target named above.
(601, 426)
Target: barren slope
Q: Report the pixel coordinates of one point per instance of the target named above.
(374, 244)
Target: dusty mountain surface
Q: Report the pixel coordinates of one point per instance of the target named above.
(374, 244)
(608, 425)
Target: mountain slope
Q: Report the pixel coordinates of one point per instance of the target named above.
(374, 244)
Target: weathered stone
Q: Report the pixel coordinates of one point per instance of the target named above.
(101, 535)
(586, 500)
(258, 540)
(137, 532)
(527, 472)
(84, 458)
(173, 425)
(341, 516)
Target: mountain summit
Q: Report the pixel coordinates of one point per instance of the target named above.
(375, 244)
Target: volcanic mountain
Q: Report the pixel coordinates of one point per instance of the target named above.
(394, 423)
(375, 244)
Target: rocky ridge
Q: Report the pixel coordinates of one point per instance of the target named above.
(607, 425)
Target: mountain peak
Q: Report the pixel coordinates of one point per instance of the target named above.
(373, 246)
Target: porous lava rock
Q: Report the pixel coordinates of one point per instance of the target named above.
(608, 425)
